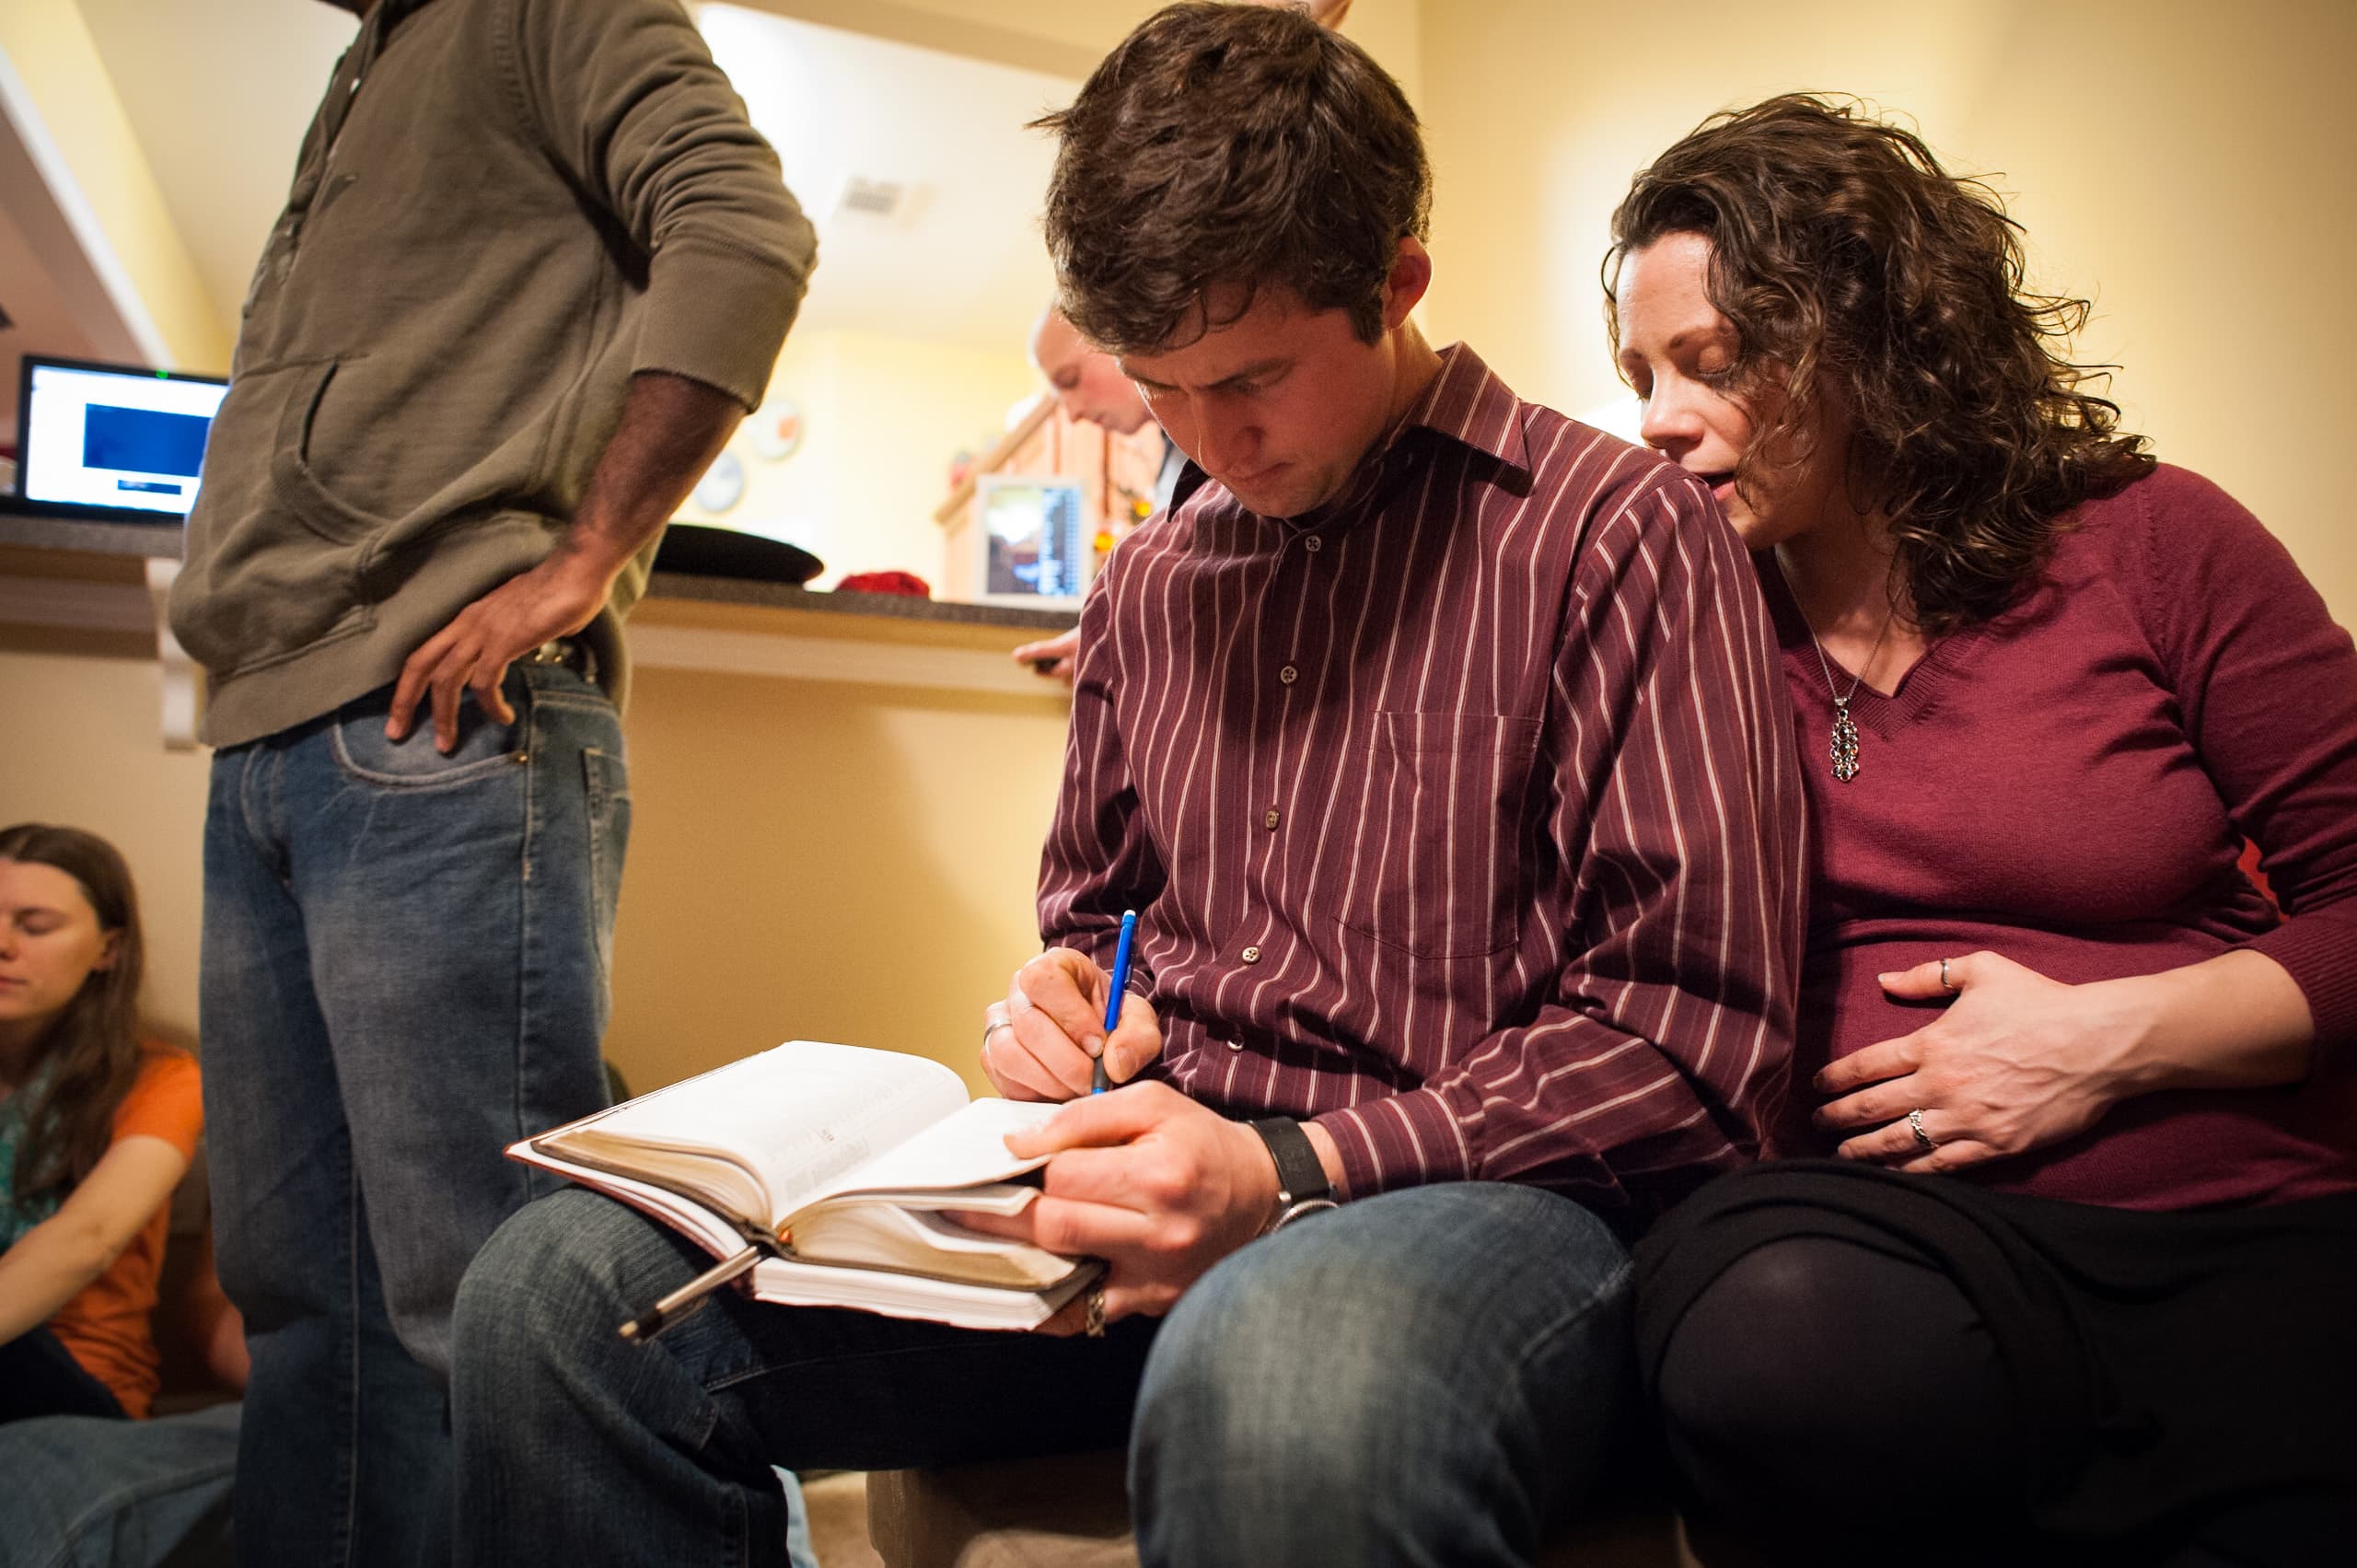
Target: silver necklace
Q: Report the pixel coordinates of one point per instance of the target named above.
(1843, 752)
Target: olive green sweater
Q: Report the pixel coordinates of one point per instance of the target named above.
(502, 211)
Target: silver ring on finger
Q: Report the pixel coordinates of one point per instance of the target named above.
(1924, 1142)
(991, 1026)
(1945, 983)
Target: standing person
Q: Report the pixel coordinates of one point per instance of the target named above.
(96, 1131)
(1089, 385)
(2076, 1288)
(1436, 736)
(535, 266)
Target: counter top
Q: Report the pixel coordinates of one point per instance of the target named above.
(162, 541)
(89, 577)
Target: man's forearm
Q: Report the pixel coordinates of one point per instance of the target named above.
(671, 430)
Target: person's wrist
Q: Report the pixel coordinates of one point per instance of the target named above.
(2131, 1054)
(1304, 1185)
(1330, 1154)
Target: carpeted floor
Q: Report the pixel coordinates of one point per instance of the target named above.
(838, 1507)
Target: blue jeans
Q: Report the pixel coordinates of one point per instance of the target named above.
(404, 970)
(86, 1491)
(1427, 1376)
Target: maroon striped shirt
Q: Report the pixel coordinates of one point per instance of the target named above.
(1462, 813)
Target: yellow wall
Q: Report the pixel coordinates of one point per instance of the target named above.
(81, 742)
(834, 862)
(837, 861)
(2187, 165)
(882, 417)
(47, 47)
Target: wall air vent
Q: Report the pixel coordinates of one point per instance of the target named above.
(869, 198)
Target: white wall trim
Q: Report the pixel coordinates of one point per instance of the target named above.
(32, 133)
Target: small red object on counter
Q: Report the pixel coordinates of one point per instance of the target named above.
(907, 582)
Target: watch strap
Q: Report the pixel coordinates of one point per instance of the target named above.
(1301, 1175)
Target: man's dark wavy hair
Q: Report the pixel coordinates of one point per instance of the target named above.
(1854, 267)
(1226, 148)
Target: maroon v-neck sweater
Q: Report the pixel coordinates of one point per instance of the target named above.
(2071, 786)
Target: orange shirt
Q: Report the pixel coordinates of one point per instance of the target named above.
(108, 1326)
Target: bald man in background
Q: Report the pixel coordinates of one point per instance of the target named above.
(1089, 386)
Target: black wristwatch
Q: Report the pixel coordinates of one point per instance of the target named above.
(1302, 1187)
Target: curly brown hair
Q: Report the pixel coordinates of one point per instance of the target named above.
(1854, 268)
(1221, 150)
(95, 1042)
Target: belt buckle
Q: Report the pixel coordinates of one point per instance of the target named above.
(570, 652)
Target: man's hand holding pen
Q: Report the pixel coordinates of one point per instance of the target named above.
(1160, 1187)
(1042, 1042)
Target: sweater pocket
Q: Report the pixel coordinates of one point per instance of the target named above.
(292, 473)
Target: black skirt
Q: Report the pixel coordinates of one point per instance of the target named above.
(2166, 1364)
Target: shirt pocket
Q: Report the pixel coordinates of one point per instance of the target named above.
(1440, 872)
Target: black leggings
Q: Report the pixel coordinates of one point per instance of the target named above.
(1828, 1404)
(40, 1377)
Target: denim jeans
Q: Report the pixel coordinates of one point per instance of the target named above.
(403, 971)
(1422, 1377)
(86, 1491)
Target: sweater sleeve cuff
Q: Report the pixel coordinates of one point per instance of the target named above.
(718, 316)
(1409, 1140)
(2314, 952)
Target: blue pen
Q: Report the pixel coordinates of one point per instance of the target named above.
(1113, 1002)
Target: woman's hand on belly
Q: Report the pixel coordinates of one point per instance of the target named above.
(2015, 1063)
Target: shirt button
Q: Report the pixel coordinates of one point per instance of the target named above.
(1271, 820)
(1313, 544)
(1251, 955)
(1289, 675)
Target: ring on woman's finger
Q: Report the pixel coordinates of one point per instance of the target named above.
(1092, 1322)
(991, 1026)
(1945, 983)
(1924, 1142)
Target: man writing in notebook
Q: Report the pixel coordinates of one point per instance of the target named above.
(1436, 738)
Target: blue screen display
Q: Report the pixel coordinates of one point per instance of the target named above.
(143, 440)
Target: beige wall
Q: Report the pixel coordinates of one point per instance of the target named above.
(80, 733)
(2189, 165)
(836, 861)
(882, 418)
(46, 49)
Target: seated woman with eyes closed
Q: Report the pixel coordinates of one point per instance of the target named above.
(2073, 1284)
(96, 1129)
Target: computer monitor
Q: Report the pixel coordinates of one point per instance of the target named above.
(111, 439)
(1037, 547)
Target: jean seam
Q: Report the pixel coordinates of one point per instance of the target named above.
(527, 1006)
(347, 1475)
(104, 1511)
